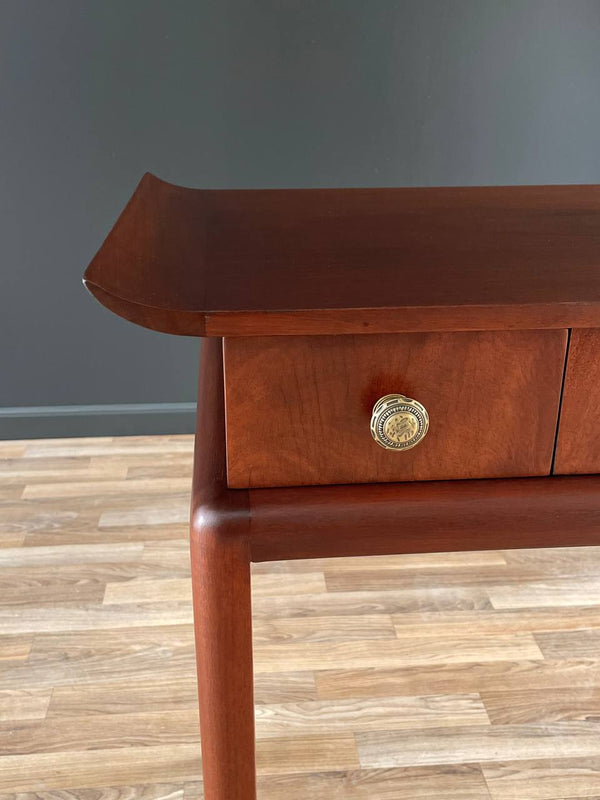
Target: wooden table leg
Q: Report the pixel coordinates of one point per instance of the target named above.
(223, 627)
(220, 554)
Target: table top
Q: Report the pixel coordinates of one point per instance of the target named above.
(309, 261)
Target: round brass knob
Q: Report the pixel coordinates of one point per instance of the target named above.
(398, 423)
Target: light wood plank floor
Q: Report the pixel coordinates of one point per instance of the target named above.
(473, 676)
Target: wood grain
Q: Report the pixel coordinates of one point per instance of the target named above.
(105, 732)
(486, 622)
(289, 755)
(424, 516)
(14, 649)
(221, 591)
(68, 554)
(537, 705)
(81, 769)
(338, 643)
(360, 601)
(406, 652)
(386, 749)
(462, 782)
(411, 562)
(323, 629)
(155, 695)
(584, 643)
(81, 489)
(552, 593)
(578, 445)
(201, 262)
(24, 704)
(544, 779)
(299, 408)
(381, 713)
(501, 676)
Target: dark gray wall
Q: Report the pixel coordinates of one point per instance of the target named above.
(246, 94)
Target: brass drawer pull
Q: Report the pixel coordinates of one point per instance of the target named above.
(399, 423)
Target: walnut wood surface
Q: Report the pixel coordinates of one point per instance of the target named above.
(255, 262)
(220, 560)
(444, 516)
(299, 408)
(578, 447)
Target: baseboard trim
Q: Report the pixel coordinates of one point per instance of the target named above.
(118, 419)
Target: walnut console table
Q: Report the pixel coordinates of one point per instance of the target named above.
(386, 371)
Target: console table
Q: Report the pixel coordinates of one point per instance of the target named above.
(385, 371)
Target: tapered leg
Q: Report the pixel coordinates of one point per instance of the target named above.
(223, 627)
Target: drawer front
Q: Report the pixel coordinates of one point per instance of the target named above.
(578, 446)
(299, 408)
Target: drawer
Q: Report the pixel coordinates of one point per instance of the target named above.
(578, 445)
(298, 408)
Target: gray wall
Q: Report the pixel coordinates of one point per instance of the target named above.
(246, 94)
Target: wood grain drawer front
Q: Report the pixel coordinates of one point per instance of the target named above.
(299, 408)
(578, 447)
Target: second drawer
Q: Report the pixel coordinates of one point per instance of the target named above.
(299, 407)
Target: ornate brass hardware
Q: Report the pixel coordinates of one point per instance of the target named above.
(398, 423)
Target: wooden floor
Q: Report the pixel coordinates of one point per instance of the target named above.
(469, 676)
